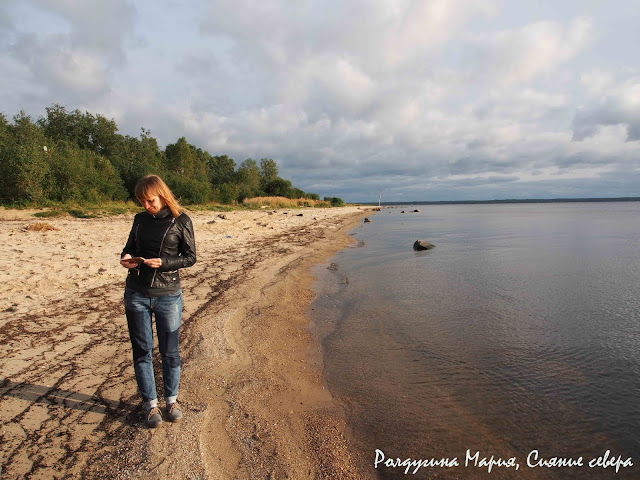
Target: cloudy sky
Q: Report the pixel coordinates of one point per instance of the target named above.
(423, 99)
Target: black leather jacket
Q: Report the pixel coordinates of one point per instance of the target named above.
(160, 236)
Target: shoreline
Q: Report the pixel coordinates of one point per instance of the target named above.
(254, 399)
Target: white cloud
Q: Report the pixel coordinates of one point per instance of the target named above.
(596, 82)
(518, 55)
(95, 25)
(61, 66)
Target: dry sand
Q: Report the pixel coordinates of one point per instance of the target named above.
(254, 399)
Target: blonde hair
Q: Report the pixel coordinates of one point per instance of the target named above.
(152, 185)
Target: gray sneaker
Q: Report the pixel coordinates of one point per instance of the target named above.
(174, 414)
(154, 418)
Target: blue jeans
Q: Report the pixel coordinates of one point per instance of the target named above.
(168, 313)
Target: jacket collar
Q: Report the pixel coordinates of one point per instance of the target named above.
(165, 212)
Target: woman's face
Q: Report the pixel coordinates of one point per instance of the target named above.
(153, 204)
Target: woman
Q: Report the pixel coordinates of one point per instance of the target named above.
(160, 243)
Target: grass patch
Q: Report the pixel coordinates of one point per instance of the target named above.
(81, 214)
(89, 211)
(282, 202)
(50, 214)
(210, 207)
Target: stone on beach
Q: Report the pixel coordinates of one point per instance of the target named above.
(422, 245)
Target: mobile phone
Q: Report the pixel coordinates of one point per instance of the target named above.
(137, 260)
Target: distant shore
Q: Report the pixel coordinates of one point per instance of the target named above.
(481, 202)
(252, 390)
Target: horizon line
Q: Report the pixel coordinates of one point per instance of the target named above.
(509, 200)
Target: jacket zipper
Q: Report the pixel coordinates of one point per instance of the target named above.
(173, 220)
(135, 236)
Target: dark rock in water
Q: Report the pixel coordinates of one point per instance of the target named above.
(366, 220)
(422, 245)
(416, 211)
(402, 211)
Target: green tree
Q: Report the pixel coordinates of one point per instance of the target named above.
(229, 193)
(182, 158)
(187, 168)
(5, 173)
(75, 127)
(222, 169)
(134, 158)
(96, 133)
(297, 193)
(104, 136)
(83, 176)
(279, 187)
(189, 190)
(23, 161)
(268, 171)
(249, 178)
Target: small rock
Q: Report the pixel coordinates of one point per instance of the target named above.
(422, 245)
(222, 216)
(366, 220)
(416, 211)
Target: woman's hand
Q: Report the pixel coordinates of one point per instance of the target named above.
(125, 264)
(153, 262)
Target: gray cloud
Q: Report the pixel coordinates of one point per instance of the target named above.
(611, 110)
(95, 25)
(71, 53)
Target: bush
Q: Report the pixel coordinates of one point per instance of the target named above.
(279, 187)
(335, 201)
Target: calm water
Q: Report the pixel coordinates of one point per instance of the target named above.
(519, 331)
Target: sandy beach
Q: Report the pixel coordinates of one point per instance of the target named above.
(252, 390)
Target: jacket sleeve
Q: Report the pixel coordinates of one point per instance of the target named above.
(130, 246)
(187, 247)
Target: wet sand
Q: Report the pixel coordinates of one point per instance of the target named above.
(252, 390)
